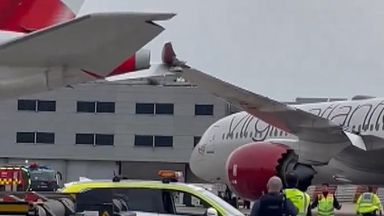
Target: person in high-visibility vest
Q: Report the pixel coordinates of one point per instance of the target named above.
(325, 202)
(368, 204)
(299, 198)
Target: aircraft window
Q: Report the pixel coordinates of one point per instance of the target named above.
(164, 108)
(371, 128)
(26, 105)
(237, 135)
(163, 141)
(204, 109)
(250, 134)
(25, 137)
(46, 106)
(223, 136)
(276, 132)
(85, 138)
(145, 108)
(281, 133)
(377, 127)
(270, 131)
(44, 137)
(104, 139)
(353, 127)
(105, 107)
(246, 134)
(196, 140)
(382, 128)
(86, 106)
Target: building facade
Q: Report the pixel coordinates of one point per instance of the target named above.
(97, 129)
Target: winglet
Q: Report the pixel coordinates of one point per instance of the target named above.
(169, 56)
(356, 140)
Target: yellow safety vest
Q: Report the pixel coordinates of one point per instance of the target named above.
(366, 203)
(300, 199)
(325, 205)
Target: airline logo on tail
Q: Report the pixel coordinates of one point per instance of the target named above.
(25, 16)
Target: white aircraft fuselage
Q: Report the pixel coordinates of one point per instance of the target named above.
(333, 162)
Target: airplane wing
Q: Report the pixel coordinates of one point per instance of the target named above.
(95, 42)
(306, 126)
(290, 119)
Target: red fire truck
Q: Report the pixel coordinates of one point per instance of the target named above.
(26, 178)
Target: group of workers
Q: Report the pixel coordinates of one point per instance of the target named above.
(292, 201)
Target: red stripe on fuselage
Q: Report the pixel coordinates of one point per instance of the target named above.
(30, 15)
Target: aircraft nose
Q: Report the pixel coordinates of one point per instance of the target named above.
(197, 161)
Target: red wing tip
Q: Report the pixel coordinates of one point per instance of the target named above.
(168, 55)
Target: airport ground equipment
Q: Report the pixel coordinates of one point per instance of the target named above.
(28, 177)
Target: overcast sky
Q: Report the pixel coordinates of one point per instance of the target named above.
(281, 49)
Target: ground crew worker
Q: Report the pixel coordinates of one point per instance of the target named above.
(274, 202)
(325, 202)
(299, 198)
(368, 204)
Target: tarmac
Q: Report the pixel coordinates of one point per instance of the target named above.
(347, 209)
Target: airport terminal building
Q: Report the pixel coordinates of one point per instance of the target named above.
(92, 130)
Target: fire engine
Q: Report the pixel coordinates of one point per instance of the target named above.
(28, 178)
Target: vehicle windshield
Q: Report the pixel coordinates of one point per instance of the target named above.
(230, 209)
(43, 175)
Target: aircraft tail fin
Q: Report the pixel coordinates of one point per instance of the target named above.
(26, 16)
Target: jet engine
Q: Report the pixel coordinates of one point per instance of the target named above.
(250, 166)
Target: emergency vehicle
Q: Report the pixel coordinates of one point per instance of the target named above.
(119, 197)
(28, 177)
(149, 198)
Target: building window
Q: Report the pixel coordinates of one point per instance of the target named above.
(25, 137)
(44, 137)
(196, 140)
(105, 107)
(164, 108)
(104, 139)
(142, 140)
(145, 108)
(94, 139)
(95, 107)
(36, 105)
(26, 105)
(203, 109)
(35, 137)
(86, 106)
(84, 138)
(46, 106)
(163, 141)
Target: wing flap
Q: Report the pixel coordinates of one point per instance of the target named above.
(96, 42)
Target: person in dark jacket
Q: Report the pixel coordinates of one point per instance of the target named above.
(274, 202)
